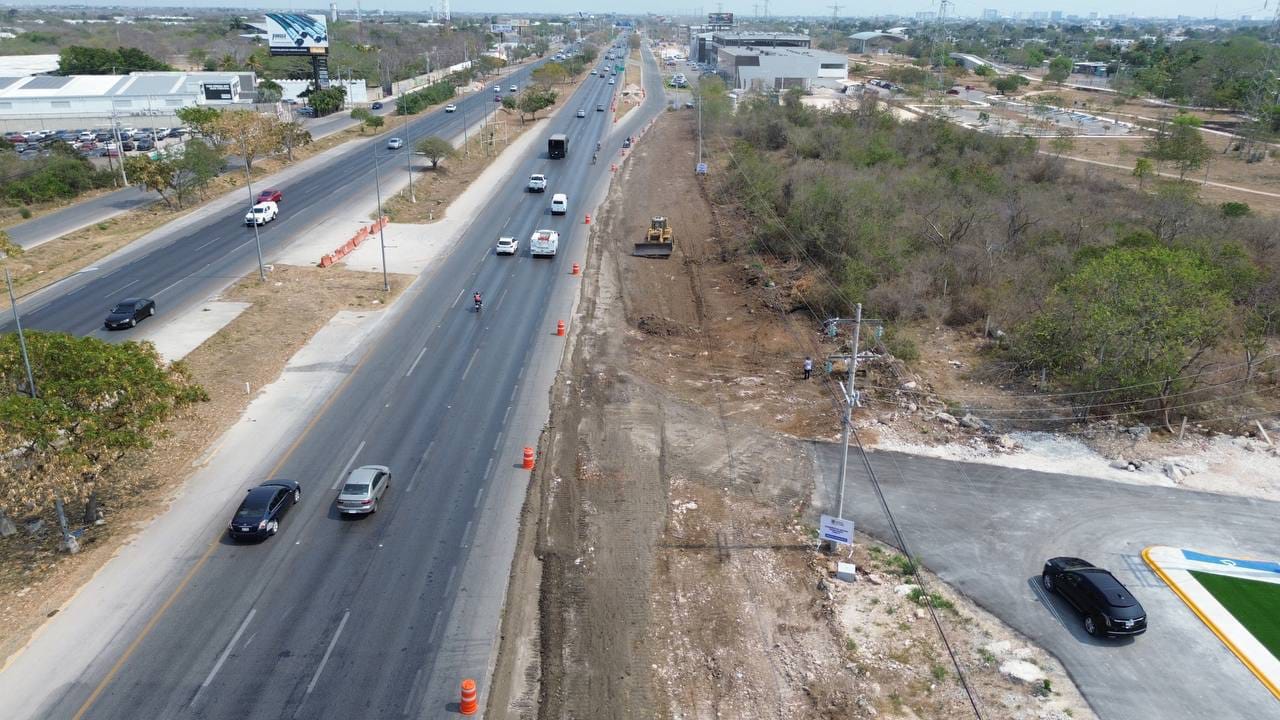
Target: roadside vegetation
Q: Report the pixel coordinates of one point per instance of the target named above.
(1145, 299)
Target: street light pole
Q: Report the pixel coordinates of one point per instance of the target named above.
(408, 160)
(22, 339)
(382, 232)
(257, 238)
(850, 397)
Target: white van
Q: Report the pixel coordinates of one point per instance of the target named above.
(559, 204)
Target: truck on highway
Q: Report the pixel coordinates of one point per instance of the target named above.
(557, 146)
(544, 243)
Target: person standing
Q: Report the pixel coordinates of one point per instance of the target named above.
(808, 367)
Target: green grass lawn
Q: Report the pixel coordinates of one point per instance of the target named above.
(1255, 604)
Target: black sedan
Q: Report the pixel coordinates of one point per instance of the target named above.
(259, 514)
(128, 313)
(1108, 608)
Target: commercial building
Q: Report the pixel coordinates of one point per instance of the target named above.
(781, 68)
(58, 101)
(704, 46)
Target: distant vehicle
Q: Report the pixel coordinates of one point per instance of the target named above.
(271, 195)
(611, 81)
(362, 490)
(626, 142)
(968, 87)
(307, 111)
(450, 108)
(595, 72)
(376, 106)
(582, 113)
(395, 144)
(179, 132)
(559, 204)
(127, 145)
(514, 88)
(544, 243)
(599, 107)
(507, 246)
(145, 144)
(557, 146)
(497, 88)
(262, 213)
(537, 183)
(1109, 609)
(259, 514)
(128, 313)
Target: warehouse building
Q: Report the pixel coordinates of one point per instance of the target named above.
(89, 99)
(782, 68)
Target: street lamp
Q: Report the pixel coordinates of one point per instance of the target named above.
(257, 238)
(408, 160)
(382, 232)
(22, 339)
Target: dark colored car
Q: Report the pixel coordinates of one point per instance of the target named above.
(128, 313)
(270, 195)
(259, 514)
(1108, 608)
(376, 106)
(127, 145)
(145, 144)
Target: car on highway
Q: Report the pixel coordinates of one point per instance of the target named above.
(497, 88)
(626, 142)
(544, 243)
(271, 195)
(262, 508)
(514, 88)
(559, 204)
(599, 107)
(537, 183)
(507, 246)
(395, 144)
(582, 113)
(128, 313)
(611, 81)
(594, 71)
(362, 490)
(261, 214)
(376, 106)
(450, 108)
(1107, 607)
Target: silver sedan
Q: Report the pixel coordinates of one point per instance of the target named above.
(362, 490)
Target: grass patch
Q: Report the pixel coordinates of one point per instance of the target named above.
(1255, 604)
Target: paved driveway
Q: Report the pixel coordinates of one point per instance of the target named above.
(987, 530)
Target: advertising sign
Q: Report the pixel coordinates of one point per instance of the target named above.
(291, 34)
(836, 530)
(218, 91)
(496, 28)
(720, 19)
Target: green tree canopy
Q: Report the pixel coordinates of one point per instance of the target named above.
(1059, 69)
(435, 149)
(78, 60)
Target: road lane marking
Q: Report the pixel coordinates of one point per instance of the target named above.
(324, 660)
(205, 245)
(347, 467)
(455, 300)
(116, 293)
(225, 652)
(413, 479)
(435, 626)
(416, 361)
(487, 468)
(499, 303)
(448, 586)
(472, 360)
(479, 495)
(505, 415)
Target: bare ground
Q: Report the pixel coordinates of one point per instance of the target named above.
(670, 530)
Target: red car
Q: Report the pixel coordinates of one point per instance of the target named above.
(274, 196)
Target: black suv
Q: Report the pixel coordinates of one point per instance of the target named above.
(1109, 609)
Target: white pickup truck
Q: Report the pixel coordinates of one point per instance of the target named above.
(537, 183)
(544, 243)
(262, 213)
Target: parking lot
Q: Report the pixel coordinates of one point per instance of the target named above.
(96, 142)
(987, 530)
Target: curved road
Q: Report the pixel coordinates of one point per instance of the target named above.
(339, 618)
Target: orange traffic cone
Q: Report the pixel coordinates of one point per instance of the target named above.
(560, 327)
(470, 703)
(528, 458)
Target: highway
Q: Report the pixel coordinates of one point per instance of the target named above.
(340, 618)
(200, 259)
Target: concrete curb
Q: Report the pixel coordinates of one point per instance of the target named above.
(1173, 567)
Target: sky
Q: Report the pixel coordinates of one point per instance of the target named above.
(1257, 9)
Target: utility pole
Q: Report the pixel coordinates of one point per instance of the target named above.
(850, 397)
(22, 339)
(382, 232)
(835, 10)
(408, 160)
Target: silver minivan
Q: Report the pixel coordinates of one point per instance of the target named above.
(362, 490)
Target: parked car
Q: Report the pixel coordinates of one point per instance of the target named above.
(1107, 606)
(450, 108)
(128, 145)
(145, 144)
(270, 195)
(128, 313)
(259, 514)
(376, 106)
(179, 132)
(20, 147)
(362, 490)
(261, 213)
(395, 144)
(507, 246)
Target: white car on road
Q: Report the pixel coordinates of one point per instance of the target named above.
(544, 243)
(262, 213)
(450, 108)
(559, 204)
(507, 246)
(395, 144)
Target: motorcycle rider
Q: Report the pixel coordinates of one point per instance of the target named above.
(478, 300)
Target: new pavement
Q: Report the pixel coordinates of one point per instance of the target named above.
(987, 531)
(351, 618)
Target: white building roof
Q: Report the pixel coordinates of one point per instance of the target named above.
(134, 85)
(19, 65)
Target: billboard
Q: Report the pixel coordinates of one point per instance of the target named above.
(218, 91)
(499, 28)
(720, 19)
(291, 34)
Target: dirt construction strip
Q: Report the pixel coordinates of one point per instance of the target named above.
(1178, 568)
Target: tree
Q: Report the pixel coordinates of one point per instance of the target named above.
(549, 74)
(200, 117)
(293, 135)
(78, 60)
(534, 99)
(327, 101)
(1143, 168)
(176, 178)
(1035, 57)
(984, 71)
(1006, 84)
(1130, 322)
(361, 114)
(269, 91)
(153, 174)
(247, 134)
(1059, 69)
(1063, 142)
(375, 121)
(1180, 143)
(96, 402)
(509, 102)
(435, 149)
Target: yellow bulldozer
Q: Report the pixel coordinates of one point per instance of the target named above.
(658, 241)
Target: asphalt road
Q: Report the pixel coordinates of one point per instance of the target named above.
(197, 261)
(987, 531)
(339, 618)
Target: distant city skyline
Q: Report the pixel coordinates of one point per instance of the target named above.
(814, 8)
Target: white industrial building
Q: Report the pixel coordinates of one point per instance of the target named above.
(781, 68)
(57, 101)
